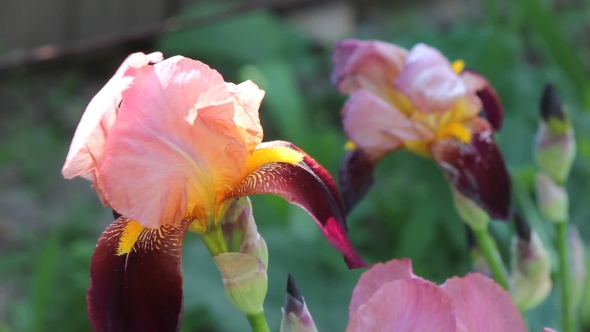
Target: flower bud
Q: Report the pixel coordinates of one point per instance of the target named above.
(555, 145)
(243, 269)
(471, 213)
(296, 317)
(531, 268)
(552, 199)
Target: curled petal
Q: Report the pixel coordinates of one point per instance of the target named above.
(477, 169)
(308, 185)
(182, 137)
(100, 114)
(373, 124)
(371, 65)
(356, 176)
(406, 306)
(490, 100)
(483, 306)
(376, 277)
(430, 82)
(136, 278)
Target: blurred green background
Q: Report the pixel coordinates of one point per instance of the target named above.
(49, 226)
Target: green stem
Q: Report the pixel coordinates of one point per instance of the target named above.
(214, 241)
(258, 322)
(564, 276)
(490, 252)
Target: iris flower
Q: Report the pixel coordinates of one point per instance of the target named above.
(168, 144)
(419, 101)
(390, 297)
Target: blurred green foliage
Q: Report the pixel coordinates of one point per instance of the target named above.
(409, 212)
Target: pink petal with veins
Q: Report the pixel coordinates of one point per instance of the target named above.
(373, 124)
(405, 306)
(430, 82)
(483, 306)
(377, 276)
(181, 139)
(98, 118)
(370, 65)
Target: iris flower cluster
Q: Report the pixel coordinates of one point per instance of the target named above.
(171, 147)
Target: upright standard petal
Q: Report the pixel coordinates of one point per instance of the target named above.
(376, 277)
(136, 278)
(492, 107)
(406, 306)
(371, 65)
(100, 114)
(477, 169)
(304, 183)
(375, 125)
(430, 82)
(483, 306)
(181, 139)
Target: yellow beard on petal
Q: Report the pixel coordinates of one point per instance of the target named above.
(275, 154)
(129, 237)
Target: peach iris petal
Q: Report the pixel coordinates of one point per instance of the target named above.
(370, 65)
(483, 306)
(430, 82)
(405, 306)
(182, 138)
(100, 114)
(373, 279)
(373, 124)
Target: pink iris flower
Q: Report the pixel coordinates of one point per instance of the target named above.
(419, 101)
(168, 144)
(390, 297)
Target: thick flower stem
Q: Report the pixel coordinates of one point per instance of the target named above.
(490, 252)
(258, 322)
(567, 314)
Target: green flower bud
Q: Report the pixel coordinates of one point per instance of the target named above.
(471, 213)
(296, 317)
(555, 145)
(552, 199)
(243, 269)
(531, 268)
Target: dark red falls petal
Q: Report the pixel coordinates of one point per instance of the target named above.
(299, 184)
(477, 169)
(356, 176)
(139, 291)
(492, 107)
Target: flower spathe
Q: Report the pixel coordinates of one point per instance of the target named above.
(419, 101)
(168, 144)
(389, 297)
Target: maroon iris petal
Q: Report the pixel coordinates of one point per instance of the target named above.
(356, 176)
(477, 169)
(310, 186)
(490, 100)
(140, 290)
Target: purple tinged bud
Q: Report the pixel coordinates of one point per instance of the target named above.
(296, 317)
(243, 268)
(531, 271)
(552, 199)
(555, 144)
